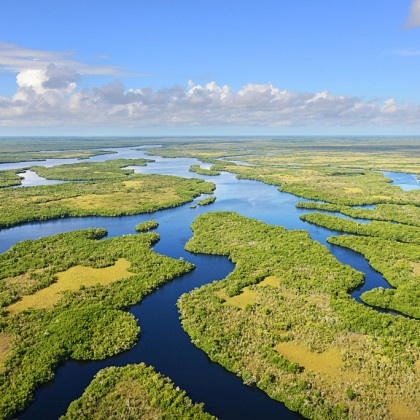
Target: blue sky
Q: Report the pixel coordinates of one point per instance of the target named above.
(221, 67)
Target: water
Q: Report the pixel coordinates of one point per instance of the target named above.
(31, 179)
(407, 182)
(163, 343)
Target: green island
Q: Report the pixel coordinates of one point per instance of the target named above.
(134, 392)
(284, 320)
(207, 201)
(201, 171)
(145, 226)
(107, 190)
(65, 297)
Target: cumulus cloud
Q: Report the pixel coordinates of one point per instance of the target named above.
(413, 18)
(49, 98)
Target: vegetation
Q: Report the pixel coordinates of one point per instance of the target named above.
(110, 170)
(296, 321)
(40, 148)
(148, 225)
(14, 156)
(134, 392)
(110, 192)
(283, 319)
(343, 171)
(385, 230)
(201, 171)
(384, 154)
(407, 214)
(399, 263)
(207, 201)
(9, 178)
(87, 323)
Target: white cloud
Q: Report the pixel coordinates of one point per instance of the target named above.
(413, 18)
(17, 59)
(49, 98)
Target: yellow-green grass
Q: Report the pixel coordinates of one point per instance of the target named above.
(247, 296)
(400, 411)
(71, 279)
(5, 340)
(328, 363)
(125, 199)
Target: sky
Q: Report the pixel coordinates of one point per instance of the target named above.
(183, 67)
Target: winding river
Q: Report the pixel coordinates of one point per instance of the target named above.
(163, 343)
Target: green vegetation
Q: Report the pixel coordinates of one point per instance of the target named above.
(343, 171)
(385, 230)
(134, 392)
(302, 339)
(88, 323)
(348, 187)
(407, 214)
(385, 153)
(40, 148)
(199, 170)
(148, 225)
(399, 263)
(13, 156)
(10, 178)
(283, 319)
(110, 170)
(111, 192)
(207, 201)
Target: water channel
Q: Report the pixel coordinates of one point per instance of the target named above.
(163, 344)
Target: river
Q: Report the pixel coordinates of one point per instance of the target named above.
(163, 344)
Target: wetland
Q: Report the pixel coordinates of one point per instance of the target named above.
(285, 292)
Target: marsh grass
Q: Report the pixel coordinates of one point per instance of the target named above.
(71, 279)
(248, 294)
(328, 363)
(5, 341)
(400, 411)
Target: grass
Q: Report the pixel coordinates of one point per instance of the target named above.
(328, 363)
(71, 279)
(400, 411)
(5, 340)
(247, 295)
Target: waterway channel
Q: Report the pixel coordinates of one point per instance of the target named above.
(163, 343)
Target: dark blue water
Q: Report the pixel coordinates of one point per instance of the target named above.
(163, 343)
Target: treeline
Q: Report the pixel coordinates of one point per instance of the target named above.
(385, 230)
(310, 308)
(134, 392)
(86, 324)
